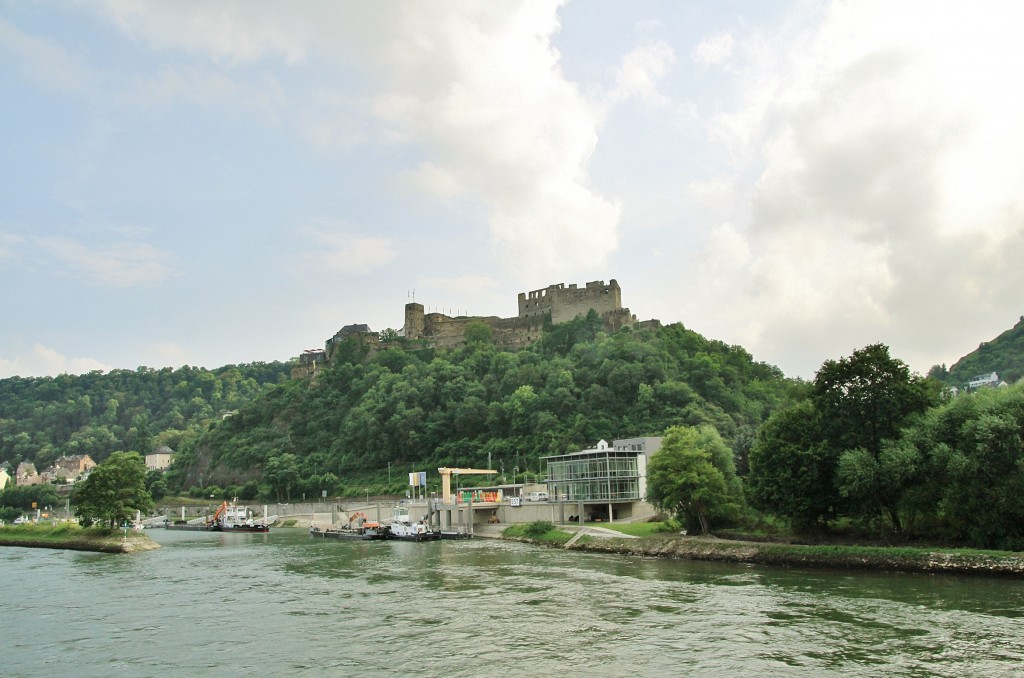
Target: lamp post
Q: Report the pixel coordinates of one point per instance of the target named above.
(367, 496)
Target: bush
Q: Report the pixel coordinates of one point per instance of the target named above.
(538, 529)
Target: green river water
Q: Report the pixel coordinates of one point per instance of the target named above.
(283, 604)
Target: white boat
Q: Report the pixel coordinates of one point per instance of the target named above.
(402, 527)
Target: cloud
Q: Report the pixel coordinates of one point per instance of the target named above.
(887, 205)
(640, 71)
(335, 251)
(714, 49)
(45, 361)
(44, 61)
(475, 89)
(125, 264)
(230, 32)
(8, 241)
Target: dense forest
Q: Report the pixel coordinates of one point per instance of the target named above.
(44, 418)
(404, 410)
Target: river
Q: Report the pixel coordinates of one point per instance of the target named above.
(282, 604)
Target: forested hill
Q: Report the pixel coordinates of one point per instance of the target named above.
(420, 409)
(43, 418)
(1004, 355)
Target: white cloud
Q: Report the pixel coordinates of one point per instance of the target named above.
(475, 88)
(887, 206)
(640, 72)
(232, 32)
(334, 250)
(123, 264)
(45, 361)
(8, 241)
(45, 61)
(714, 49)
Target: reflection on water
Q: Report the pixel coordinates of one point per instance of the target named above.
(284, 604)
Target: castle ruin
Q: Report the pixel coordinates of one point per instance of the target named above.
(562, 303)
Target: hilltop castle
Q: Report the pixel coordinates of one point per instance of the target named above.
(559, 302)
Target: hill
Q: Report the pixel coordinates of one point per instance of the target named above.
(44, 418)
(378, 415)
(1003, 355)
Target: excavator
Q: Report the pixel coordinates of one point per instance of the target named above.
(446, 479)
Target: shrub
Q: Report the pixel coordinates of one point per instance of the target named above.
(538, 529)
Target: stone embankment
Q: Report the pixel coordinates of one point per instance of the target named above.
(78, 540)
(795, 555)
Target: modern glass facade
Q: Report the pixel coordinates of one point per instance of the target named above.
(603, 474)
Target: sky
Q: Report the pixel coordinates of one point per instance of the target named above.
(213, 183)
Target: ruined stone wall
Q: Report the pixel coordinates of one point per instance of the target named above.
(564, 303)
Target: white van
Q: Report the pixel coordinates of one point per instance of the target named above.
(537, 496)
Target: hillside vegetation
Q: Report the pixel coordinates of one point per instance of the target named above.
(1003, 355)
(44, 418)
(418, 410)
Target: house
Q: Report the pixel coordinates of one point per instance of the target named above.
(990, 379)
(27, 474)
(5, 479)
(69, 469)
(160, 459)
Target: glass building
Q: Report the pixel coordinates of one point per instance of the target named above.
(603, 477)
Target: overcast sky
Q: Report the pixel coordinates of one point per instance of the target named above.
(206, 183)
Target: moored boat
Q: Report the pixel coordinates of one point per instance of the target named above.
(359, 527)
(234, 518)
(403, 528)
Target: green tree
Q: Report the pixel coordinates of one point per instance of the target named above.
(792, 469)
(114, 491)
(156, 484)
(281, 473)
(972, 451)
(478, 332)
(684, 482)
(864, 401)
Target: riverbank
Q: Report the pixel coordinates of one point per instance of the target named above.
(75, 538)
(883, 558)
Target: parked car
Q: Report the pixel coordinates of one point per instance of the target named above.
(538, 496)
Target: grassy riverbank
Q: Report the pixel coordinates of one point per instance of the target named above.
(73, 537)
(901, 559)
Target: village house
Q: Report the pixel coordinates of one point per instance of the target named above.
(160, 459)
(5, 479)
(69, 469)
(27, 474)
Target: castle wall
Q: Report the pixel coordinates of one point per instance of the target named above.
(560, 302)
(567, 303)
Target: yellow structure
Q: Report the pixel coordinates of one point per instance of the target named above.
(446, 479)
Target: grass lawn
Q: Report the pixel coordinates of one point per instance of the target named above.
(634, 529)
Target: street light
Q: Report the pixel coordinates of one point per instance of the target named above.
(367, 496)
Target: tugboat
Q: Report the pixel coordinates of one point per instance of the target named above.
(233, 518)
(403, 529)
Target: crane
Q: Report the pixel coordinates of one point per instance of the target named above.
(446, 479)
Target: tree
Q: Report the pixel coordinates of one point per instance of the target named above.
(478, 333)
(864, 401)
(792, 469)
(281, 473)
(682, 479)
(972, 451)
(114, 491)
